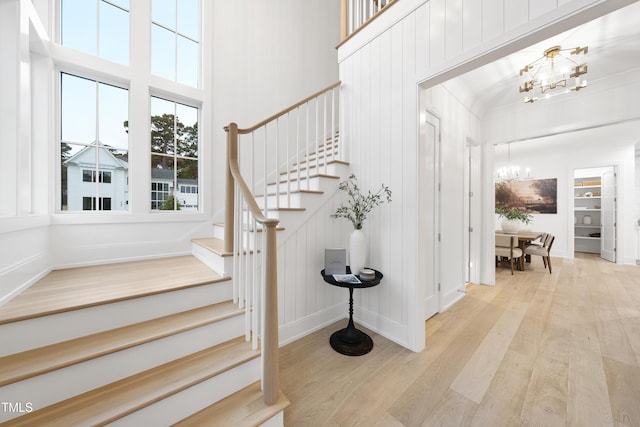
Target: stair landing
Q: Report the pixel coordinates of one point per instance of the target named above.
(73, 288)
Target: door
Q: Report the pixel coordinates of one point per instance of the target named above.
(429, 212)
(608, 236)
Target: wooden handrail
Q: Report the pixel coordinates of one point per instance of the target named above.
(286, 110)
(232, 150)
(270, 342)
(232, 146)
(269, 338)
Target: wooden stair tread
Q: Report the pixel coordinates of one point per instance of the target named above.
(273, 193)
(245, 408)
(27, 364)
(113, 401)
(81, 287)
(213, 244)
(315, 175)
(304, 167)
(313, 160)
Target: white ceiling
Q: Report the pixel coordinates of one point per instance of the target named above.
(614, 47)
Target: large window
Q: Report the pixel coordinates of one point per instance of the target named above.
(175, 50)
(174, 155)
(95, 124)
(97, 27)
(93, 146)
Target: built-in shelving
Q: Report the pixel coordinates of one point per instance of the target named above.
(587, 210)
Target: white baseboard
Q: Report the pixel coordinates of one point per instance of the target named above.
(452, 298)
(391, 330)
(295, 330)
(20, 276)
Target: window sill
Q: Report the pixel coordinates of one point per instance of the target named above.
(124, 218)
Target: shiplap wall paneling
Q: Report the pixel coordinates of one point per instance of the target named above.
(409, 170)
(540, 7)
(472, 26)
(454, 28)
(437, 31)
(395, 160)
(492, 18)
(422, 36)
(382, 255)
(516, 12)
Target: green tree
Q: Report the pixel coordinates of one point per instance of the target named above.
(168, 204)
(65, 154)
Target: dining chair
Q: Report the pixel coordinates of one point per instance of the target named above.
(541, 240)
(544, 251)
(507, 247)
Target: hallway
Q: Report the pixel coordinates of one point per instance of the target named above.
(537, 349)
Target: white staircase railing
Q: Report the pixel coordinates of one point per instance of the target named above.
(357, 13)
(278, 157)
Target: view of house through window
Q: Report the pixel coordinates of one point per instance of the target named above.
(94, 113)
(174, 156)
(94, 145)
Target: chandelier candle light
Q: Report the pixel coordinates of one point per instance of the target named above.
(511, 172)
(552, 73)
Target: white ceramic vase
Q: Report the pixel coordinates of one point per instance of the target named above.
(357, 251)
(510, 226)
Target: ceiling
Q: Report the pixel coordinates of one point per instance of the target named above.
(614, 47)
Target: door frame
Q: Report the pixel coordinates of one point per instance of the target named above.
(429, 222)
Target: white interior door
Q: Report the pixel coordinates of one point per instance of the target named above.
(429, 208)
(608, 214)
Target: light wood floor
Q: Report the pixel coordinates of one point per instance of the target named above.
(535, 350)
(72, 288)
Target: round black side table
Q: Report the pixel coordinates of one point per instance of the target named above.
(351, 341)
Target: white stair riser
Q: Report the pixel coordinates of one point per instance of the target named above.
(315, 183)
(218, 231)
(55, 386)
(295, 200)
(193, 399)
(41, 331)
(314, 168)
(220, 264)
(276, 421)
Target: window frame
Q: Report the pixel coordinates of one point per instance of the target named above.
(176, 186)
(176, 36)
(97, 174)
(141, 86)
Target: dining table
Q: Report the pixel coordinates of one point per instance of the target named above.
(525, 237)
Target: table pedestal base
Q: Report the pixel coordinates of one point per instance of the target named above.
(351, 342)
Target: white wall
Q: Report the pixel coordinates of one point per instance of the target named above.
(428, 42)
(266, 57)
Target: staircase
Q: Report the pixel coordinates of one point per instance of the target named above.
(157, 342)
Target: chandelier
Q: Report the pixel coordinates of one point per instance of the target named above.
(552, 73)
(511, 172)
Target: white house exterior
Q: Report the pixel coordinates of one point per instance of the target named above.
(97, 180)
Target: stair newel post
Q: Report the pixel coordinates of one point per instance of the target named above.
(232, 154)
(270, 350)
